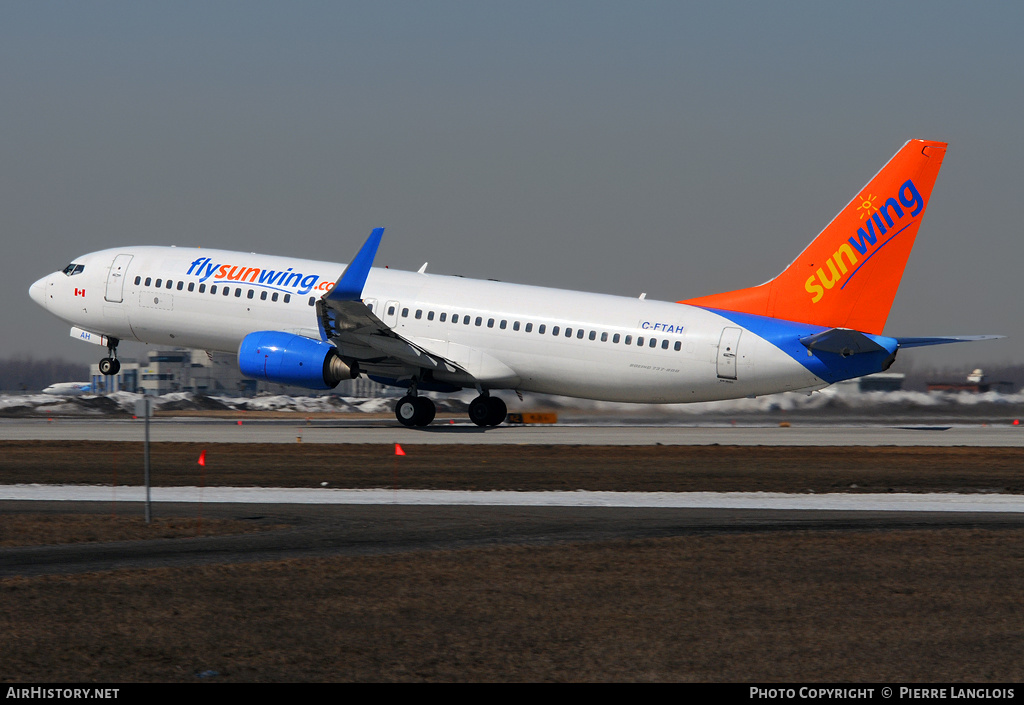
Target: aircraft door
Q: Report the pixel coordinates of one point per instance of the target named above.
(728, 350)
(115, 279)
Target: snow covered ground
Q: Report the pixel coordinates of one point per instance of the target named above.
(706, 500)
(824, 402)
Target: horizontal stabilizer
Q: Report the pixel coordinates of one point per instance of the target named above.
(942, 340)
(841, 341)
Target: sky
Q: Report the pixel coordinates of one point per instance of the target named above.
(677, 149)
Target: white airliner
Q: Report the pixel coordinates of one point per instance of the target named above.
(69, 389)
(313, 324)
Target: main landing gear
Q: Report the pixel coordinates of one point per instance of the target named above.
(412, 410)
(486, 410)
(110, 365)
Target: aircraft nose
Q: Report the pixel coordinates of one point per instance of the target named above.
(38, 291)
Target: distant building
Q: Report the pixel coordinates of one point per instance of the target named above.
(212, 374)
(977, 383)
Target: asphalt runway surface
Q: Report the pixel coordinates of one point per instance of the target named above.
(219, 430)
(363, 530)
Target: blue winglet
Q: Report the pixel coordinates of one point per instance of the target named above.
(350, 285)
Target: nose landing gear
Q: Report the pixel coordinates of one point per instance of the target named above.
(110, 365)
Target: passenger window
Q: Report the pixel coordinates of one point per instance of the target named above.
(554, 330)
(250, 294)
(529, 328)
(604, 337)
(263, 296)
(593, 335)
(149, 280)
(664, 345)
(213, 289)
(503, 325)
(615, 338)
(181, 285)
(405, 313)
(654, 343)
(479, 320)
(287, 298)
(391, 310)
(443, 315)
(137, 280)
(640, 341)
(202, 288)
(580, 333)
(490, 323)
(159, 282)
(191, 286)
(419, 313)
(226, 290)
(465, 320)
(430, 315)
(515, 325)
(540, 331)
(312, 299)
(273, 297)
(628, 340)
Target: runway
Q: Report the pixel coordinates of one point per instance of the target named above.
(323, 530)
(330, 521)
(217, 430)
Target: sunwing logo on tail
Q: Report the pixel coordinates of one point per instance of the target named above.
(877, 221)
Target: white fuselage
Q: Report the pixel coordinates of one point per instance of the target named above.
(606, 347)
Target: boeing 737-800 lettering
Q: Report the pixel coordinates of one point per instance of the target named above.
(313, 324)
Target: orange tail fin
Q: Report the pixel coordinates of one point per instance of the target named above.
(848, 276)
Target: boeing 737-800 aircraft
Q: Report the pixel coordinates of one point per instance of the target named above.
(313, 324)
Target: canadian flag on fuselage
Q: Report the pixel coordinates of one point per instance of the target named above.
(848, 276)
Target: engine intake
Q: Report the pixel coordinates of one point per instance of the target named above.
(286, 358)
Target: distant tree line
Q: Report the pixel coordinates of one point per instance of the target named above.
(23, 374)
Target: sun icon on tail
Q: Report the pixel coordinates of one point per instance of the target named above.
(867, 204)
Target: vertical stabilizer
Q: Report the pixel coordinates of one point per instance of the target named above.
(848, 276)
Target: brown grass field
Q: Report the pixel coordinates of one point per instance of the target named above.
(913, 604)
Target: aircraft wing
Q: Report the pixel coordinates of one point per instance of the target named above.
(358, 333)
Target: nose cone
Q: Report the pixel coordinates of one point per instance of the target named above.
(38, 291)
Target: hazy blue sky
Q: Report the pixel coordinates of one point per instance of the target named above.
(671, 148)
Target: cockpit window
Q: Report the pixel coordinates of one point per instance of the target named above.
(73, 269)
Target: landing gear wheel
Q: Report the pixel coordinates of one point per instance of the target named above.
(487, 411)
(405, 411)
(415, 411)
(110, 366)
(496, 411)
(425, 411)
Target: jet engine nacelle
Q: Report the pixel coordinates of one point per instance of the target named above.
(286, 358)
